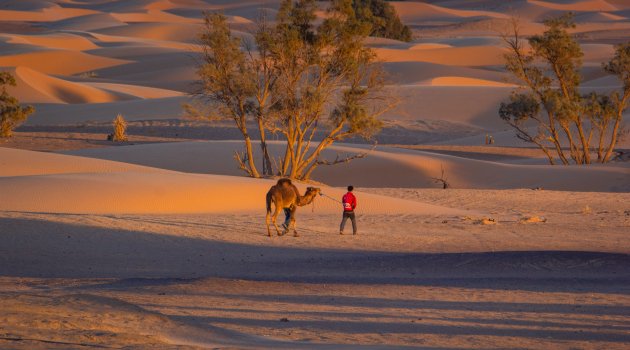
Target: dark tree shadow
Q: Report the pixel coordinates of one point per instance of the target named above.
(35, 248)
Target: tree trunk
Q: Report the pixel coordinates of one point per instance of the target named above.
(250, 156)
(586, 149)
(575, 153)
(613, 138)
(266, 159)
(556, 139)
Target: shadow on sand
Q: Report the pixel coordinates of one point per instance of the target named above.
(130, 260)
(44, 249)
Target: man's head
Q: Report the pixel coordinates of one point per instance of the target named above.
(350, 188)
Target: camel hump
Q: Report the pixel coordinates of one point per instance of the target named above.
(284, 182)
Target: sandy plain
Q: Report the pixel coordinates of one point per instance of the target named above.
(160, 242)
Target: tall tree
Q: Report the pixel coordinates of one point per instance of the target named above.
(12, 114)
(313, 85)
(549, 95)
(330, 84)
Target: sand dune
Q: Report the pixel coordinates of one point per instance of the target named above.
(595, 54)
(457, 56)
(598, 17)
(125, 41)
(180, 32)
(408, 73)
(86, 22)
(46, 14)
(36, 87)
(145, 109)
(463, 81)
(163, 246)
(152, 15)
(67, 184)
(411, 168)
(40, 164)
(577, 5)
(135, 90)
(65, 41)
(416, 13)
(429, 46)
(620, 4)
(49, 61)
(458, 104)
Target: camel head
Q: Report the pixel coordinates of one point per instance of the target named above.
(313, 191)
(309, 196)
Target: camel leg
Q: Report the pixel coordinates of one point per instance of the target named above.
(274, 219)
(267, 217)
(292, 221)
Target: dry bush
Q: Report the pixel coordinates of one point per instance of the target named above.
(120, 129)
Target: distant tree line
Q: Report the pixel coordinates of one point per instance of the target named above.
(549, 109)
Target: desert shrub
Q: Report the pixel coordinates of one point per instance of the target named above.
(11, 113)
(120, 129)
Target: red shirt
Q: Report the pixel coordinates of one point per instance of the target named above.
(349, 202)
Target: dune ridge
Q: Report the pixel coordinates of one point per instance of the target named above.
(70, 184)
(34, 86)
(410, 169)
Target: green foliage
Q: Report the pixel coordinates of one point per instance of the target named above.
(383, 18)
(521, 108)
(11, 113)
(619, 65)
(225, 76)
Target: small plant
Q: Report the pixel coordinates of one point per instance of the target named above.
(442, 179)
(587, 210)
(11, 113)
(120, 129)
(90, 74)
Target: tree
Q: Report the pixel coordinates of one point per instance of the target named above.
(11, 113)
(328, 82)
(310, 85)
(384, 19)
(549, 96)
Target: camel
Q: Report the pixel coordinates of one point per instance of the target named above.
(284, 194)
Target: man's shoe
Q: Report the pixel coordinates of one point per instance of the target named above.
(341, 232)
(355, 233)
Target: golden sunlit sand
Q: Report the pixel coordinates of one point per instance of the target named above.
(159, 242)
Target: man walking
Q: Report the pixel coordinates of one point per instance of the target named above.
(349, 202)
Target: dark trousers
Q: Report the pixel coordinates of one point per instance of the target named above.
(287, 217)
(348, 215)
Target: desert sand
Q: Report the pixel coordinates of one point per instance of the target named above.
(160, 242)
